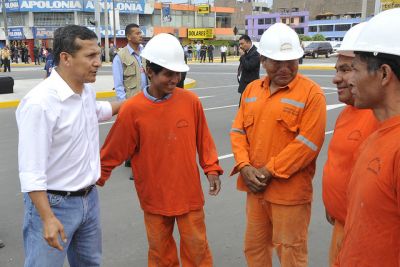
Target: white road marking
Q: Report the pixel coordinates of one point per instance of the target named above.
(335, 106)
(206, 96)
(213, 87)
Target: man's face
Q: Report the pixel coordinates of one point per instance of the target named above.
(135, 36)
(365, 85)
(165, 81)
(245, 46)
(86, 61)
(281, 73)
(341, 79)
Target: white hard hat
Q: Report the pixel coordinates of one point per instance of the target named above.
(381, 34)
(347, 46)
(166, 51)
(280, 42)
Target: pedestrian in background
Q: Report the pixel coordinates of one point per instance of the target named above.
(168, 181)
(129, 68)
(223, 53)
(203, 53)
(5, 58)
(210, 53)
(276, 137)
(352, 127)
(36, 55)
(58, 175)
(249, 66)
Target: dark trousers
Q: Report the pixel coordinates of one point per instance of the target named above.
(6, 63)
(223, 57)
(37, 60)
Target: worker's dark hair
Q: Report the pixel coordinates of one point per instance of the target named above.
(374, 62)
(245, 37)
(154, 67)
(129, 27)
(65, 40)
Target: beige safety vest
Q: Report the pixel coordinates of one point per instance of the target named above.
(131, 72)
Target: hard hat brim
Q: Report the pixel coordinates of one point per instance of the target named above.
(280, 56)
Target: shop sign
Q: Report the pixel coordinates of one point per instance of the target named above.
(200, 33)
(203, 9)
(43, 32)
(16, 33)
(389, 4)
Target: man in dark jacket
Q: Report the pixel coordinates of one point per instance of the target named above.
(249, 67)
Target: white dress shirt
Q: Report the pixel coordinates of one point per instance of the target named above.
(58, 145)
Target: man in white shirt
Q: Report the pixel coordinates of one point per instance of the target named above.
(58, 154)
(223, 53)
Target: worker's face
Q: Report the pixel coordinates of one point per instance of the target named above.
(163, 82)
(280, 73)
(341, 79)
(365, 85)
(244, 45)
(84, 63)
(135, 36)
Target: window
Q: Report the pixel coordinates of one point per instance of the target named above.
(15, 19)
(53, 19)
(326, 28)
(246, 22)
(270, 20)
(224, 20)
(260, 31)
(313, 29)
(265, 9)
(291, 20)
(302, 19)
(260, 21)
(342, 27)
(283, 20)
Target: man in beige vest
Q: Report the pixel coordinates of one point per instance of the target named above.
(128, 67)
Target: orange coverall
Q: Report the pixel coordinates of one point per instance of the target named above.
(284, 133)
(372, 228)
(164, 139)
(352, 127)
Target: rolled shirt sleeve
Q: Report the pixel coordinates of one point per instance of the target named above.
(103, 110)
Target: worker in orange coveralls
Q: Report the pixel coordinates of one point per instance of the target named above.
(162, 128)
(352, 127)
(276, 137)
(372, 227)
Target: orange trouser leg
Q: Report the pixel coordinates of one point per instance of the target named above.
(336, 242)
(194, 249)
(290, 231)
(258, 237)
(162, 247)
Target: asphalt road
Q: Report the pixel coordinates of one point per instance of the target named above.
(124, 237)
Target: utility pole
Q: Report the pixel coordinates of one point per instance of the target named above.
(364, 10)
(377, 7)
(3, 6)
(106, 44)
(97, 20)
(114, 27)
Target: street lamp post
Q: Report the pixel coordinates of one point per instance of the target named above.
(114, 27)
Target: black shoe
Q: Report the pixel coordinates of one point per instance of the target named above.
(131, 178)
(2, 245)
(127, 163)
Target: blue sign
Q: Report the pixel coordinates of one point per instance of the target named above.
(124, 6)
(43, 32)
(16, 33)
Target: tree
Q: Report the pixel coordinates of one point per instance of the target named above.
(303, 37)
(318, 37)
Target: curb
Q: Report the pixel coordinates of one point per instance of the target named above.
(101, 94)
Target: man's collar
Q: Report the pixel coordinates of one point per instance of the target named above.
(131, 50)
(62, 88)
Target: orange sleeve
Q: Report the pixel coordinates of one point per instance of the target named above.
(120, 143)
(208, 156)
(305, 147)
(240, 144)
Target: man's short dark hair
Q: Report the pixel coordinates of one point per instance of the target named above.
(154, 67)
(245, 37)
(129, 27)
(65, 40)
(375, 62)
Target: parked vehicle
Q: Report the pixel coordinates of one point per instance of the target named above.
(318, 48)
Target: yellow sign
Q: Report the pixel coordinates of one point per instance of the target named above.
(200, 33)
(203, 9)
(389, 4)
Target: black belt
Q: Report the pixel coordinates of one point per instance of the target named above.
(80, 193)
